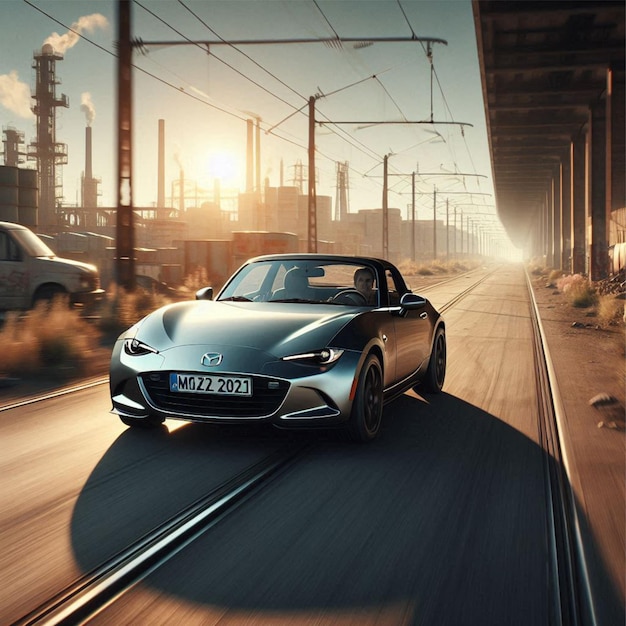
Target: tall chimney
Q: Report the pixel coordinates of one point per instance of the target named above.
(161, 166)
(249, 157)
(89, 183)
(257, 185)
(217, 194)
(182, 190)
(88, 167)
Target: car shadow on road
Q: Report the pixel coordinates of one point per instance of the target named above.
(442, 520)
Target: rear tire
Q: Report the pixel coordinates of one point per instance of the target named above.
(142, 422)
(436, 372)
(367, 408)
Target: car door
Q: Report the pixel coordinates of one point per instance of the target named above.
(412, 329)
(13, 274)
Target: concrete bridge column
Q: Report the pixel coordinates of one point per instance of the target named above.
(578, 203)
(596, 198)
(615, 147)
(565, 172)
(556, 221)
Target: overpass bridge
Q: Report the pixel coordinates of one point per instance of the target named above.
(553, 84)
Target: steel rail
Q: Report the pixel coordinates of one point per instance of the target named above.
(450, 279)
(466, 292)
(97, 589)
(54, 394)
(573, 600)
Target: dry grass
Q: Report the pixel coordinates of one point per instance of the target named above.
(578, 290)
(555, 275)
(49, 338)
(610, 310)
(123, 309)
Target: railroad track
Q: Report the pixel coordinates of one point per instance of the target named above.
(572, 602)
(98, 588)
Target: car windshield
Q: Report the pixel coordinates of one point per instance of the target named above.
(34, 246)
(304, 281)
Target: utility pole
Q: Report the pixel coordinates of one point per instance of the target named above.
(447, 231)
(435, 223)
(455, 235)
(413, 216)
(312, 229)
(125, 229)
(385, 210)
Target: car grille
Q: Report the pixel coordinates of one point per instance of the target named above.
(267, 396)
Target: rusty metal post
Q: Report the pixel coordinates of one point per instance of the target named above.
(312, 230)
(125, 231)
(385, 209)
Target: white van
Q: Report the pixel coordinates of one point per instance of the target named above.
(30, 272)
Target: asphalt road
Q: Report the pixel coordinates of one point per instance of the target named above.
(442, 520)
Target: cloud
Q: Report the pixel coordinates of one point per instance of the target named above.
(15, 95)
(87, 23)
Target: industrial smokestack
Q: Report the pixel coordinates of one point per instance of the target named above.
(257, 185)
(90, 189)
(217, 194)
(90, 184)
(249, 157)
(161, 166)
(182, 190)
(88, 167)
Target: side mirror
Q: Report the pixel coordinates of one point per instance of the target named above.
(206, 293)
(411, 301)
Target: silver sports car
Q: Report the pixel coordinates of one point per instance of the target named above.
(298, 340)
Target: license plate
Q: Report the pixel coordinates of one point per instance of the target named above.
(211, 384)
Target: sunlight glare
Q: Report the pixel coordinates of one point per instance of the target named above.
(224, 166)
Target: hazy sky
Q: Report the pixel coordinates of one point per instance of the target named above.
(205, 98)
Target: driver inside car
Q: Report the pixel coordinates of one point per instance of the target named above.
(364, 284)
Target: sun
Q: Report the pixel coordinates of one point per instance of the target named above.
(224, 166)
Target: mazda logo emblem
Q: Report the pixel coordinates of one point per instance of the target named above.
(211, 359)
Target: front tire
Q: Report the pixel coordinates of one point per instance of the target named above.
(367, 408)
(142, 422)
(436, 372)
(48, 294)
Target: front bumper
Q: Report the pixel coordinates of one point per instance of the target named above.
(285, 394)
(87, 298)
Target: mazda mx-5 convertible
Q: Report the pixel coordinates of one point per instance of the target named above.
(298, 340)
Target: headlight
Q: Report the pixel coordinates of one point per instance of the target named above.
(89, 282)
(134, 347)
(326, 356)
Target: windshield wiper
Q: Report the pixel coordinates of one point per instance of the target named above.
(235, 299)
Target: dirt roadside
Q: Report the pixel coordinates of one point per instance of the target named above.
(589, 365)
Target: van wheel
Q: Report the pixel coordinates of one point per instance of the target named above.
(48, 294)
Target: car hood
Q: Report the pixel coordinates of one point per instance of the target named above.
(275, 328)
(68, 266)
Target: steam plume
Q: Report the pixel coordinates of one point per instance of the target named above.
(15, 95)
(87, 23)
(87, 107)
